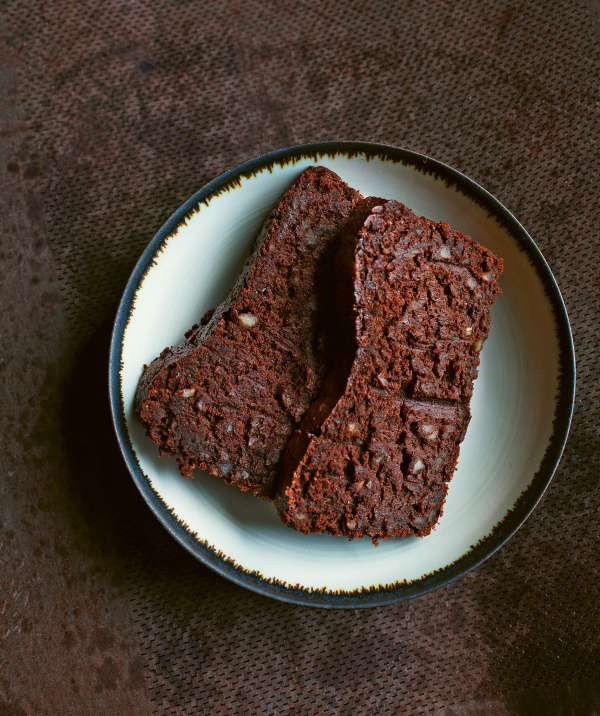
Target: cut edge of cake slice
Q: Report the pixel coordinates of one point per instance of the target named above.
(376, 451)
(228, 399)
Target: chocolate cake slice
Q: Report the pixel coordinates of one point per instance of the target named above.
(229, 398)
(374, 454)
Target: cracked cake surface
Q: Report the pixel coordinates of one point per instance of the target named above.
(375, 452)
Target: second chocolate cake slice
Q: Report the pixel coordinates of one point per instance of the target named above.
(229, 398)
(375, 452)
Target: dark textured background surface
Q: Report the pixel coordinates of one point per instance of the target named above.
(112, 114)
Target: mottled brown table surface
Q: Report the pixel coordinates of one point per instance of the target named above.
(112, 114)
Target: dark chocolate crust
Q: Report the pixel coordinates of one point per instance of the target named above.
(376, 451)
(229, 398)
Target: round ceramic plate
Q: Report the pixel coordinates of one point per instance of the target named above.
(521, 405)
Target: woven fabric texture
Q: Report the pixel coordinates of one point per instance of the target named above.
(112, 114)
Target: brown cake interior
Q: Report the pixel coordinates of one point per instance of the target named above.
(376, 451)
(230, 397)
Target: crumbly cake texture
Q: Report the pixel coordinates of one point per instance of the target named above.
(229, 398)
(375, 452)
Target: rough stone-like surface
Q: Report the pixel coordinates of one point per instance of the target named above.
(378, 460)
(229, 398)
(112, 114)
